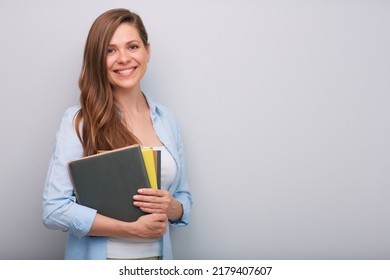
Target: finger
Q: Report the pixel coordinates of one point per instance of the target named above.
(153, 192)
(150, 205)
(161, 217)
(148, 199)
(150, 191)
(158, 217)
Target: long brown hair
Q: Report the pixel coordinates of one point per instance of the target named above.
(99, 115)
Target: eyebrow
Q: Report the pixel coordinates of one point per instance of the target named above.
(127, 43)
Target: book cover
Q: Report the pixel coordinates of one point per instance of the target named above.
(107, 181)
(157, 162)
(150, 164)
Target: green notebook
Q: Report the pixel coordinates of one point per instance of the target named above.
(107, 182)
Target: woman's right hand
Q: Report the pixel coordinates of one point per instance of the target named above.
(151, 225)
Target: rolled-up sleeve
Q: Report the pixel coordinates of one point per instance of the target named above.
(181, 190)
(60, 210)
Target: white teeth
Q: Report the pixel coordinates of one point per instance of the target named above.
(125, 72)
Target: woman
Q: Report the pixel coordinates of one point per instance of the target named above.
(114, 113)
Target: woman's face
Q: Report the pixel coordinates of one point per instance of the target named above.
(127, 58)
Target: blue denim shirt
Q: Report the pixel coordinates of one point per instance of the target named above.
(60, 210)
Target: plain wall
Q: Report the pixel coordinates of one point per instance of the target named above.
(285, 113)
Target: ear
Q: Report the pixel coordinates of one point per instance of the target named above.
(148, 49)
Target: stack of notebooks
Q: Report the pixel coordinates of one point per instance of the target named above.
(108, 180)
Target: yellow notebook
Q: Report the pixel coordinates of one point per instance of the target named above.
(148, 155)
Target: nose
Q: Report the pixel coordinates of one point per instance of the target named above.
(123, 57)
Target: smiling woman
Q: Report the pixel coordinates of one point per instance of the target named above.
(113, 113)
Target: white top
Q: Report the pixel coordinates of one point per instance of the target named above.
(168, 168)
(135, 247)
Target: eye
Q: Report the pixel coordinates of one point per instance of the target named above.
(110, 51)
(133, 47)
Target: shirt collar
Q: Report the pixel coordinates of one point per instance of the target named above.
(154, 108)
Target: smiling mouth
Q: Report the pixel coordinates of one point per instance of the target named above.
(125, 71)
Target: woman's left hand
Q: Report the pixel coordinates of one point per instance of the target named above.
(158, 201)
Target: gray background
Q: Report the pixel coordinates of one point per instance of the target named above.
(285, 114)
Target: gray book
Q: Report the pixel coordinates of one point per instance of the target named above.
(108, 181)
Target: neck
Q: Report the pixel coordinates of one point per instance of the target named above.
(131, 101)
